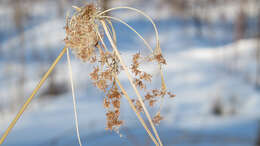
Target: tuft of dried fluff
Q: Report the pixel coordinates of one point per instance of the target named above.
(80, 32)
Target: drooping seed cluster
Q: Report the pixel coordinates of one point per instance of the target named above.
(82, 38)
(152, 96)
(103, 77)
(112, 104)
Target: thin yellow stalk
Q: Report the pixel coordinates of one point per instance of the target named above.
(140, 12)
(21, 111)
(131, 81)
(102, 41)
(113, 30)
(73, 97)
(129, 99)
(139, 35)
(135, 110)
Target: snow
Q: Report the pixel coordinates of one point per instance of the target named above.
(198, 72)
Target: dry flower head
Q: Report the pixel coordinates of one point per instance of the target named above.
(80, 34)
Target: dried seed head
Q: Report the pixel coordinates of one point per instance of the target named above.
(138, 105)
(159, 58)
(113, 120)
(94, 75)
(80, 33)
(102, 84)
(139, 83)
(135, 64)
(113, 113)
(145, 76)
(114, 93)
(116, 104)
(106, 103)
(152, 102)
(148, 96)
(157, 118)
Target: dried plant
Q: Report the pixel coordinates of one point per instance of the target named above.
(85, 31)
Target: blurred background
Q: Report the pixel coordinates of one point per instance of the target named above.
(213, 53)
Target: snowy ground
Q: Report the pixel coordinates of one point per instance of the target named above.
(198, 72)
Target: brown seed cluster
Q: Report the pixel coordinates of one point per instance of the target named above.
(159, 58)
(138, 105)
(103, 78)
(112, 120)
(141, 78)
(157, 118)
(80, 33)
(112, 104)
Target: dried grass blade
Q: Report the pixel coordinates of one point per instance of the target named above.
(19, 114)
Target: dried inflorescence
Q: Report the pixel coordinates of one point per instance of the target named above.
(102, 77)
(80, 33)
(112, 104)
(152, 96)
(112, 120)
(86, 42)
(157, 118)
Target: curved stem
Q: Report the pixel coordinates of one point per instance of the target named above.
(131, 81)
(142, 13)
(73, 97)
(139, 35)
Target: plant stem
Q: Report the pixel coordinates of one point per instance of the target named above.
(19, 114)
(113, 30)
(127, 25)
(73, 97)
(140, 12)
(135, 110)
